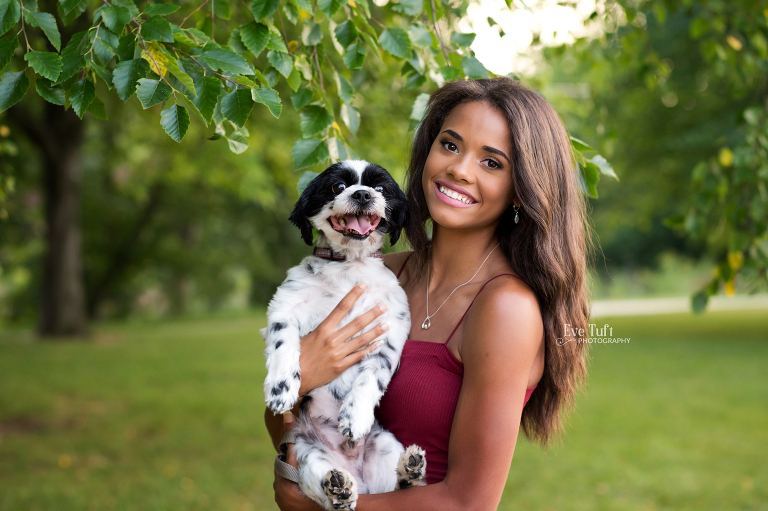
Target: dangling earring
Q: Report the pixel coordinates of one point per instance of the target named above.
(517, 213)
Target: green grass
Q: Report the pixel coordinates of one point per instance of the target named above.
(168, 415)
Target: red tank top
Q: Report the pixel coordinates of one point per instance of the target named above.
(420, 402)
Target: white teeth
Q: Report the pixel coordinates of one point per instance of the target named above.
(455, 195)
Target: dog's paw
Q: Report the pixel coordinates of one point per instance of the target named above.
(354, 423)
(341, 489)
(282, 395)
(412, 467)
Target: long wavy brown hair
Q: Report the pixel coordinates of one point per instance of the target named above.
(549, 247)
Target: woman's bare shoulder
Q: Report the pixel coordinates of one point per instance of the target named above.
(395, 260)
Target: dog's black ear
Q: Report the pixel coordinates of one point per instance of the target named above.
(399, 217)
(302, 211)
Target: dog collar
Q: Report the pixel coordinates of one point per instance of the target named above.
(327, 253)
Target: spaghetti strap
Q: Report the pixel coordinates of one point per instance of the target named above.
(403, 266)
(475, 298)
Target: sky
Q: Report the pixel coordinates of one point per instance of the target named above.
(512, 53)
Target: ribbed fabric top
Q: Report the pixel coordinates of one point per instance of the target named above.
(420, 401)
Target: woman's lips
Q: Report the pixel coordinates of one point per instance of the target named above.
(450, 200)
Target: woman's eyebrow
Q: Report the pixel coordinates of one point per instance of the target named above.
(485, 147)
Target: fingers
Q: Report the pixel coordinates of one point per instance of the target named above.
(346, 303)
(357, 356)
(364, 339)
(361, 321)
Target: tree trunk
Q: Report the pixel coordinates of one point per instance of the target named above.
(62, 306)
(59, 135)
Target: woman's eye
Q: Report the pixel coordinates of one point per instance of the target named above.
(379, 189)
(449, 145)
(493, 164)
(338, 188)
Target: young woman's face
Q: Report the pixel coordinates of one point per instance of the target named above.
(467, 178)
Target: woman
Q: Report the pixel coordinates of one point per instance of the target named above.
(490, 294)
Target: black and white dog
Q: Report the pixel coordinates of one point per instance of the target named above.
(340, 448)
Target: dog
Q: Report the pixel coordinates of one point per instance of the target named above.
(341, 450)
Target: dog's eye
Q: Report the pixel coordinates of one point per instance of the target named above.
(379, 189)
(338, 188)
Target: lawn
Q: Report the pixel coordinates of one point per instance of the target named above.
(168, 415)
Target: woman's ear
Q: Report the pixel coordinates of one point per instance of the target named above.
(302, 211)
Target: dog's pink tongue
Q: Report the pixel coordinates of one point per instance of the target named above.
(358, 223)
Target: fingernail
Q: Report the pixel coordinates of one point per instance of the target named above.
(384, 327)
(365, 284)
(383, 307)
(288, 417)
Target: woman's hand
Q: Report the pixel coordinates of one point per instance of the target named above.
(325, 352)
(287, 494)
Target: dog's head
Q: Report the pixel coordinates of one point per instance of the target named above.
(353, 204)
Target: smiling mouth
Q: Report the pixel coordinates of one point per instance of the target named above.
(358, 226)
(453, 194)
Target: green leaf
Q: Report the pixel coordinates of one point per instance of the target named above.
(346, 33)
(354, 55)
(69, 10)
(238, 140)
(591, 174)
(255, 37)
(98, 109)
(152, 92)
(222, 11)
(419, 107)
(605, 167)
(126, 74)
(8, 46)
(47, 22)
(46, 64)
(160, 9)
(53, 95)
(237, 105)
(184, 78)
(276, 41)
(78, 44)
(420, 36)
(308, 152)
(345, 88)
(281, 61)
(314, 119)
(351, 117)
(82, 95)
(115, 17)
(228, 61)
(157, 29)
(104, 74)
(473, 68)
(306, 178)
(301, 98)
(699, 302)
(462, 40)
(10, 13)
(13, 86)
(175, 122)
(396, 42)
(294, 79)
(329, 7)
(409, 7)
(580, 145)
(263, 8)
(312, 33)
(270, 98)
(70, 64)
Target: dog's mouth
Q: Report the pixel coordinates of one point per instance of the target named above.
(358, 226)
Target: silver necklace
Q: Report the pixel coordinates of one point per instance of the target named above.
(427, 323)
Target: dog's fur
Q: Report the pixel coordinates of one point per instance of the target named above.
(341, 450)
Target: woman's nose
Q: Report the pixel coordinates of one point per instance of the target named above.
(459, 169)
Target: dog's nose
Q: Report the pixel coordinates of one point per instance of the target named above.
(362, 196)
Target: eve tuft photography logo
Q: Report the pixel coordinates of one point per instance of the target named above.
(591, 335)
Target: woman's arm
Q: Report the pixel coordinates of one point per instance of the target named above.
(503, 333)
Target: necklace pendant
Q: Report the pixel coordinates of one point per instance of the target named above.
(426, 324)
